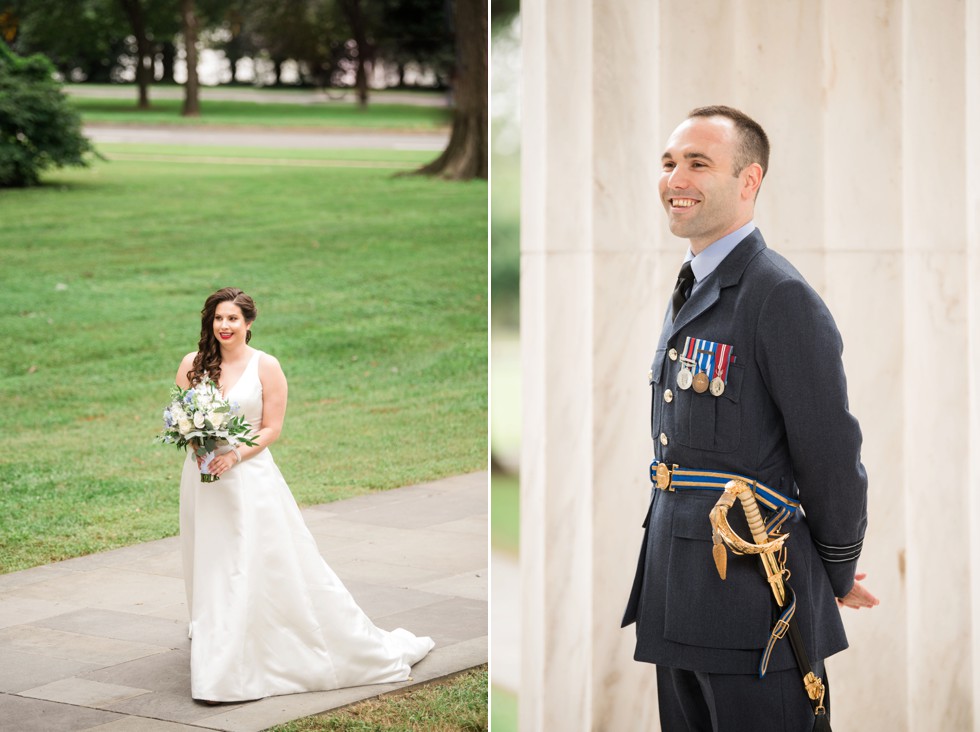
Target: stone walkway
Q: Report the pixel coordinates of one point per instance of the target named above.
(100, 642)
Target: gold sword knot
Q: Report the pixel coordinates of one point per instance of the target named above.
(770, 548)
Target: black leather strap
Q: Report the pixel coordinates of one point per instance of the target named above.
(821, 722)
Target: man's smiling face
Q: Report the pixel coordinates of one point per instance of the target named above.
(703, 197)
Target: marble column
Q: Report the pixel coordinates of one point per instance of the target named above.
(874, 193)
(972, 163)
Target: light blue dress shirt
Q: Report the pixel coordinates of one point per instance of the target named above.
(712, 255)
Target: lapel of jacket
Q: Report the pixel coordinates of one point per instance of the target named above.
(728, 273)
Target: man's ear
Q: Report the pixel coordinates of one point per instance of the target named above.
(751, 177)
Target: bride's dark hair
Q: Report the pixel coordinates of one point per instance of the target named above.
(208, 358)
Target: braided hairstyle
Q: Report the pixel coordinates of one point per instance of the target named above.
(207, 362)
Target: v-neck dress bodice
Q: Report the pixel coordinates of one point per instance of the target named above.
(267, 614)
(247, 392)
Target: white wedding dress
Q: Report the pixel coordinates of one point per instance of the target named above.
(267, 615)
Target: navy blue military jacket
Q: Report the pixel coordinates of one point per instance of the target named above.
(782, 420)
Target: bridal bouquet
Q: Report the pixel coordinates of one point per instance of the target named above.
(202, 418)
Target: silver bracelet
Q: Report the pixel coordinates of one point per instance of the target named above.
(237, 454)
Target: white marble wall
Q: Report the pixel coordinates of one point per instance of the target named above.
(874, 192)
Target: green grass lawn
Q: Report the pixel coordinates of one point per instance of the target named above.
(458, 704)
(371, 292)
(379, 116)
(272, 93)
(505, 503)
(503, 710)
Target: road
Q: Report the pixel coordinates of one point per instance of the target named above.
(269, 138)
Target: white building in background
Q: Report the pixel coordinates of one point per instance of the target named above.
(873, 192)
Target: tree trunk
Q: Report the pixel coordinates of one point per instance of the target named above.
(168, 54)
(133, 11)
(233, 60)
(465, 156)
(233, 48)
(192, 102)
(355, 17)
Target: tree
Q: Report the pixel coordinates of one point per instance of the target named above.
(311, 32)
(167, 56)
(415, 31)
(357, 22)
(9, 24)
(90, 51)
(136, 16)
(192, 101)
(237, 41)
(38, 128)
(465, 156)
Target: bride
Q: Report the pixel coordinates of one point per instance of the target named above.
(267, 615)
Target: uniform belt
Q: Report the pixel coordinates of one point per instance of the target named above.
(674, 478)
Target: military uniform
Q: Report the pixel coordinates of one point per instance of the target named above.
(779, 417)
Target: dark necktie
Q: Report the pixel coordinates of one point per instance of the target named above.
(685, 280)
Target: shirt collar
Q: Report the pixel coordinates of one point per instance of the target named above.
(712, 255)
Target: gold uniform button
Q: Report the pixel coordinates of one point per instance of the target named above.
(672, 354)
(663, 439)
(668, 396)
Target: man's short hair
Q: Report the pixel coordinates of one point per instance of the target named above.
(753, 144)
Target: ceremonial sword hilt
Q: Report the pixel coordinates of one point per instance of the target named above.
(724, 536)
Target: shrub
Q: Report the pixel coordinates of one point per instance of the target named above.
(38, 129)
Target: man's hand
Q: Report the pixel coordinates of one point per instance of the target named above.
(859, 596)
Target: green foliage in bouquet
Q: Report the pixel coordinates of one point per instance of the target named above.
(38, 128)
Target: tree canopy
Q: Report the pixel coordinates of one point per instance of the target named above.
(38, 129)
(333, 42)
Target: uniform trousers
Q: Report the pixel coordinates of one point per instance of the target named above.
(693, 701)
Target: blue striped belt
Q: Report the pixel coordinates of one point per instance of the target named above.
(674, 478)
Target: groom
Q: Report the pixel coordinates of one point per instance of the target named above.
(747, 382)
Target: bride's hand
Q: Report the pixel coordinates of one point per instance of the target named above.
(222, 463)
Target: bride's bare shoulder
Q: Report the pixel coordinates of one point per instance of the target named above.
(269, 367)
(268, 363)
(185, 365)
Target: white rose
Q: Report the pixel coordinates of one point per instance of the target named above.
(211, 417)
(199, 420)
(184, 425)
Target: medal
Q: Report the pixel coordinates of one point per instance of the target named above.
(723, 357)
(705, 351)
(685, 377)
(704, 366)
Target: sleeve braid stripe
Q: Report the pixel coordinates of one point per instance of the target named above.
(838, 554)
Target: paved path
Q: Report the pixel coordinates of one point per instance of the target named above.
(100, 642)
(269, 138)
(264, 96)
